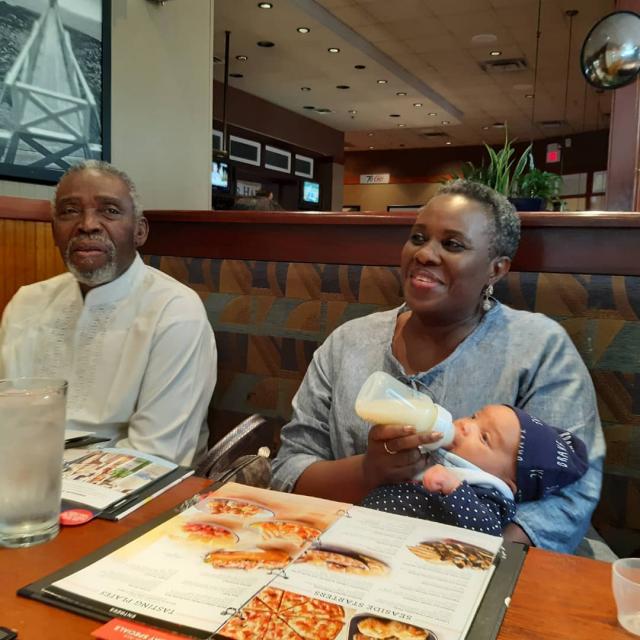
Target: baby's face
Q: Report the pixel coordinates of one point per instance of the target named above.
(489, 439)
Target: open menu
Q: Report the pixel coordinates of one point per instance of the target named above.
(109, 481)
(242, 563)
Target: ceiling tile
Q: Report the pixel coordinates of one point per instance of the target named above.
(449, 7)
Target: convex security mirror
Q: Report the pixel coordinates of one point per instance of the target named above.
(610, 56)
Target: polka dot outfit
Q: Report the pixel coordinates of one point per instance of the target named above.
(471, 507)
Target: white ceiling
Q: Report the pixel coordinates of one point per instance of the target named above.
(423, 48)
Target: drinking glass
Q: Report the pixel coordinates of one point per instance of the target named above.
(32, 419)
(626, 591)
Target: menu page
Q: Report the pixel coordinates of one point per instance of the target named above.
(101, 477)
(375, 575)
(195, 569)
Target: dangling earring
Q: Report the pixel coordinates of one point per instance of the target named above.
(486, 297)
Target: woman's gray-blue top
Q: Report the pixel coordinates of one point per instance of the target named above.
(512, 357)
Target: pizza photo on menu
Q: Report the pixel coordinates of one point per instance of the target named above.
(366, 627)
(232, 508)
(460, 554)
(275, 614)
(213, 535)
(296, 532)
(343, 561)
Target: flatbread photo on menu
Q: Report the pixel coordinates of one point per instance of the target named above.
(344, 562)
(460, 554)
(231, 507)
(287, 530)
(208, 533)
(251, 559)
(275, 614)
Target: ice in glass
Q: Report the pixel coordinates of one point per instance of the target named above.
(32, 420)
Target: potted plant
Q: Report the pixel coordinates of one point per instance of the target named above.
(500, 174)
(527, 187)
(535, 188)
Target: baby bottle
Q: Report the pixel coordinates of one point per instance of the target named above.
(385, 400)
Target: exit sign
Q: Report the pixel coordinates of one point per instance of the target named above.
(553, 153)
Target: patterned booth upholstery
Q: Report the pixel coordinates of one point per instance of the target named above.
(269, 317)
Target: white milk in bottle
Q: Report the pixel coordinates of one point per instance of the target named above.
(385, 400)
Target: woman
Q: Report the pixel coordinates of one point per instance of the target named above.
(465, 349)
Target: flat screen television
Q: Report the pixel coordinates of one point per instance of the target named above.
(220, 176)
(310, 193)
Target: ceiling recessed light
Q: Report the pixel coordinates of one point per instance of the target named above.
(236, 75)
(445, 122)
(308, 106)
(305, 88)
(343, 86)
(353, 112)
(401, 93)
(394, 115)
(333, 50)
(359, 66)
(303, 29)
(432, 113)
(401, 145)
(448, 142)
(265, 5)
(370, 134)
(485, 128)
(323, 110)
(371, 147)
(381, 81)
(528, 95)
(498, 125)
(265, 43)
(402, 125)
(242, 58)
(495, 53)
(417, 104)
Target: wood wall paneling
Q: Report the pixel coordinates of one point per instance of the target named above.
(27, 254)
(551, 242)
(596, 243)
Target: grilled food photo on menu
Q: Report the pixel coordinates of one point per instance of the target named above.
(344, 562)
(385, 629)
(460, 554)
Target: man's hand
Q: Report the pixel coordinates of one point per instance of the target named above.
(440, 479)
(392, 453)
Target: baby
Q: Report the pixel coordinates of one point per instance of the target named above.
(499, 456)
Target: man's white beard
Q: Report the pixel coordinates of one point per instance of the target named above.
(101, 275)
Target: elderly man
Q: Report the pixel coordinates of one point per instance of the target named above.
(134, 344)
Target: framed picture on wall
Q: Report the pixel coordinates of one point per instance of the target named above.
(54, 86)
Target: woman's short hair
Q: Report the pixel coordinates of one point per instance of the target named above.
(505, 232)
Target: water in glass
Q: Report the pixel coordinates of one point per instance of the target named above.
(31, 450)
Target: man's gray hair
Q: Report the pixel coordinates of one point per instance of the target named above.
(109, 169)
(504, 236)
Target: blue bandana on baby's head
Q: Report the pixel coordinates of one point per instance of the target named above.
(548, 458)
